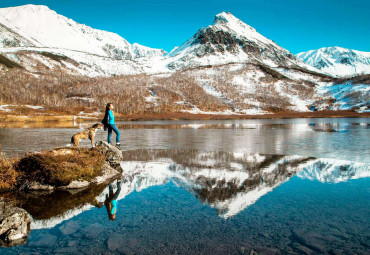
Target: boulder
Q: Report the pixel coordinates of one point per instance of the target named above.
(114, 155)
(15, 224)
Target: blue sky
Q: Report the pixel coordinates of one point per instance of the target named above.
(297, 25)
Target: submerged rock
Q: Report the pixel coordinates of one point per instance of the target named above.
(39, 186)
(69, 228)
(15, 225)
(78, 184)
(46, 240)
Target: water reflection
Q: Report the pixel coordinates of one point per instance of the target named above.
(328, 125)
(182, 200)
(111, 201)
(306, 137)
(50, 208)
(227, 182)
(334, 171)
(78, 123)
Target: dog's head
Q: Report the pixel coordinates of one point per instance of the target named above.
(98, 126)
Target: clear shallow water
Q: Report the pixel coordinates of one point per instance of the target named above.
(214, 189)
(166, 219)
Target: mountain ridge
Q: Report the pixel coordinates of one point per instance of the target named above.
(338, 61)
(52, 30)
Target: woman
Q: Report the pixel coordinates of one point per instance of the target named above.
(108, 122)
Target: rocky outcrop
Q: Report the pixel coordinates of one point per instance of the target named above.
(110, 169)
(114, 155)
(107, 173)
(15, 225)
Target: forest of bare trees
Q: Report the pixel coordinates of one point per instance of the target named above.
(60, 92)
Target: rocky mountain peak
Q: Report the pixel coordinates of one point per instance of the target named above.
(234, 40)
(227, 19)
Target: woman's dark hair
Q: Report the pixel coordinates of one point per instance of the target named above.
(107, 110)
(105, 119)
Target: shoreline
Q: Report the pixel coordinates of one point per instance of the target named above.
(184, 116)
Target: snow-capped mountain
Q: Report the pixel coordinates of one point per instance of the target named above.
(230, 40)
(38, 26)
(338, 61)
(238, 70)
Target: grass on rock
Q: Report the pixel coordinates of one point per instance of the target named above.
(59, 167)
(8, 174)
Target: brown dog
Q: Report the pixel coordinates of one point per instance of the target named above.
(88, 133)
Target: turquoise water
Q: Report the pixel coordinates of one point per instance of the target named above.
(229, 187)
(196, 202)
(299, 216)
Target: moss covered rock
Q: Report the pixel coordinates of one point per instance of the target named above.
(60, 167)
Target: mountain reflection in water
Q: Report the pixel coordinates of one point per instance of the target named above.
(228, 182)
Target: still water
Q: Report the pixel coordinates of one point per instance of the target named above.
(210, 187)
(335, 138)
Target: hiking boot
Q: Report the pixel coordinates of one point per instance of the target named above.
(118, 146)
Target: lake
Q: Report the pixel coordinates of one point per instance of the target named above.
(298, 186)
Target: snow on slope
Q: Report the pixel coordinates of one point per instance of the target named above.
(140, 51)
(85, 63)
(229, 23)
(43, 27)
(338, 61)
(347, 96)
(10, 38)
